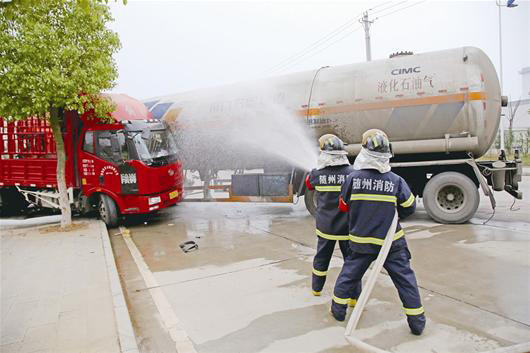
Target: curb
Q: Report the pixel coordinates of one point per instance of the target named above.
(126, 336)
(6, 224)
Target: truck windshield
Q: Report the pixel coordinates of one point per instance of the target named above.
(154, 147)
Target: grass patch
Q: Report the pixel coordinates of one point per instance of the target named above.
(57, 228)
(488, 157)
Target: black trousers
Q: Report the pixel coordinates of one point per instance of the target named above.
(322, 259)
(398, 267)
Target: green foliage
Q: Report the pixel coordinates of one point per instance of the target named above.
(55, 53)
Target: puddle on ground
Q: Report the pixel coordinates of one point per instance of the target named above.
(442, 338)
(316, 341)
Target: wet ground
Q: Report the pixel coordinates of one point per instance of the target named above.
(247, 287)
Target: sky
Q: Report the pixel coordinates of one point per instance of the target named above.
(175, 46)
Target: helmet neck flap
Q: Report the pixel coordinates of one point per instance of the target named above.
(372, 160)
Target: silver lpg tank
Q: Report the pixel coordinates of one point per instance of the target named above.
(442, 101)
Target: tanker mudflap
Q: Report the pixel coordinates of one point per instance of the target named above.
(518, 194)
(483, 183)
(519, 171)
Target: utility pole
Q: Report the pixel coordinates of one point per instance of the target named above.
(366, 24)
(509, 4)
(501, 124)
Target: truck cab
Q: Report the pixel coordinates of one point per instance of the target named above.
(134, 162)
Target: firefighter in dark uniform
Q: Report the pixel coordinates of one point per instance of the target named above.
(331, 224)
(370, 195)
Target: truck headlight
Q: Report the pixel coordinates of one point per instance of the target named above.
(154, 200)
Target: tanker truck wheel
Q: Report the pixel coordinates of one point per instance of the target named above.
(451, 197)
(108, 212)
(310, 199)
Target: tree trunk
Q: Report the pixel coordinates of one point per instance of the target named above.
(64, 203)
(510, 136)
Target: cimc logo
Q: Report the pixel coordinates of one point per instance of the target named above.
(408, 70)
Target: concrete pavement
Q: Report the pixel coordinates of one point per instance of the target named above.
(247, 287)
(60, 292)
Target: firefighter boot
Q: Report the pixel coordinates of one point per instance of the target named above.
(317, 284)
(338, 311)
(416, 323)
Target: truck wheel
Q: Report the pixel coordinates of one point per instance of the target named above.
(3, 205)
(451, 197)
(12, 203)
(310, 199)
(108, 211)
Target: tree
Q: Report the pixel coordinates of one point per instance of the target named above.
(527, 144)
(55, 55)
(512, 110)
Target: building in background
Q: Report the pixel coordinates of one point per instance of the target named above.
(517, 114)
(520, 110)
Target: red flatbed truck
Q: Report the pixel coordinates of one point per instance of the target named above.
(129, 166)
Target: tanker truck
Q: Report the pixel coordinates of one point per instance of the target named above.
(441, 111)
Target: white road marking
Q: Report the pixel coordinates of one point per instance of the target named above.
(182, 341)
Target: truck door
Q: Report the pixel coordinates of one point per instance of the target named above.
(86, 161)
(103, 162)
(100, 160)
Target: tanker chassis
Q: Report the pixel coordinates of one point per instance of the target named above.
(449, 187)
(441, 111)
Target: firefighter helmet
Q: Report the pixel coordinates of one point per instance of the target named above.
(331, 144)
(376, 140)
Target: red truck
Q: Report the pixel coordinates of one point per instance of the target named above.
(129, 166)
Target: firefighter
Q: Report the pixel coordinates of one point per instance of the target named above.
(331, 224)
(370, 196)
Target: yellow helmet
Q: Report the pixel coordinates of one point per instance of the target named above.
(331, 144)
(376, 140)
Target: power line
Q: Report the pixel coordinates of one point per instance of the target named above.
(401, 9)
(313, 46)
(389, 7)
(322, 49)
(295, 57)
(316, 44)
(309, 50)
(383, 4)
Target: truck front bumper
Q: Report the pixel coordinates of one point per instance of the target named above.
(135, 204)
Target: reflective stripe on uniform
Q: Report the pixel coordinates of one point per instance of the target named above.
(331, 236)
(371, 240)
(411, 311)
(328, 188)
(409, 201)
(320, 273)
(341, 300)
(374, 197)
